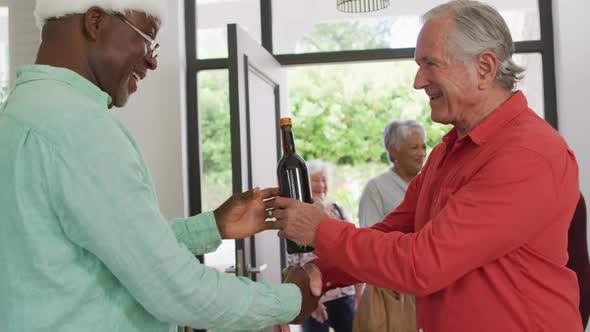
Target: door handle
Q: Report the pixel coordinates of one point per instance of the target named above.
(253, 269)
(238, 268)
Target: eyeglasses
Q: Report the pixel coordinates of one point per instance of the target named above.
(152, 46)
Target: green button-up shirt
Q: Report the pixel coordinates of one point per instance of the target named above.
(83, 245)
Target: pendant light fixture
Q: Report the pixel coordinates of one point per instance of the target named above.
(361, 6)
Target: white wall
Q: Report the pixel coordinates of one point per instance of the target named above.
(153, 114)
(24, 35)
(572, 51)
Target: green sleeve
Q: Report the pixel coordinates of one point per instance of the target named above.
(198, 233)
(106, 203)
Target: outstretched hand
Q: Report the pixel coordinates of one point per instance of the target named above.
(296, 220)
(244, 214)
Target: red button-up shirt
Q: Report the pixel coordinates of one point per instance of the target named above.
(481, 236)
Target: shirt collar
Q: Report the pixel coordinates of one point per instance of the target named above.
(498, 118)
(30, 73)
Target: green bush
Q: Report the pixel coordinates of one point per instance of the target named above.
(339, 112)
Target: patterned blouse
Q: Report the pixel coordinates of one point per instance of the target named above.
(335, 211)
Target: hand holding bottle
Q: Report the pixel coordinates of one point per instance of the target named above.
(296, 220)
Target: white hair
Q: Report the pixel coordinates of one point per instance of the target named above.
(397, 131)
(48, 9)
(320, 166)
(480, 27)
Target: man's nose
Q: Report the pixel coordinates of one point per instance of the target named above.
(152, 62)
(420, 81)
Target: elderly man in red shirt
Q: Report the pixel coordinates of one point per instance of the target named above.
(481, 236)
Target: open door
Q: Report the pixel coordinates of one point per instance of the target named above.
(257, 101)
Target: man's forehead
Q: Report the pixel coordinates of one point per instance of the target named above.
(145, 18)
(437, 28)
(424, 58)
(432, 42)
(146, 23)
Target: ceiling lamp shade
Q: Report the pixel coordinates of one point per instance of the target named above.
(361, 6)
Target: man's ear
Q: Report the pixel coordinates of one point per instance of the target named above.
(487, 67)
(94, 20)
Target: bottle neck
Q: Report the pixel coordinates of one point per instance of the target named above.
(288, 140)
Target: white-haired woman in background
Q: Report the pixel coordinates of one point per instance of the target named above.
(337, 306)
(405, 144)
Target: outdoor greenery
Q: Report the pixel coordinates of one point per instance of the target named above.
(215, 137)
(339, 112)
(348, 35)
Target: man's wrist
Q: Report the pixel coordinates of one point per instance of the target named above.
(315, 232)
(219, 223)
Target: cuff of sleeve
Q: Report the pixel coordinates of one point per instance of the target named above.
(199, 233)
(328, 246)
(290, 297)
(329, 235)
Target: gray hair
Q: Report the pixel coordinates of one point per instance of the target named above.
(480, 27)
(398, 131)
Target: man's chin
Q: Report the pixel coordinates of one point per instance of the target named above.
(120, 100)
(439, 118)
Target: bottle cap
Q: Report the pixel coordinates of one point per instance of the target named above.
(285, 121)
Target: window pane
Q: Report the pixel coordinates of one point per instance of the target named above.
(317, 26)
(532, 83)
(216, 184)
(341, 111)
(212, 19)
(4, 63)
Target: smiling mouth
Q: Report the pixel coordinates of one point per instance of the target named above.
(136, 76)
(436, 96)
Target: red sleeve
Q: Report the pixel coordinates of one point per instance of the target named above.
(499, 209)
(400, 220)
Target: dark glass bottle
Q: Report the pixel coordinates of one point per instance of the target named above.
(293, 177)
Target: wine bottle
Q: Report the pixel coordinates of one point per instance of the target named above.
(293, 176)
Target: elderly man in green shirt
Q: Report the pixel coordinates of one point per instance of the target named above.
(83, 244)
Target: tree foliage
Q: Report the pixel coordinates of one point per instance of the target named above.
(340, 110)
(347, 35)
(214, 121)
